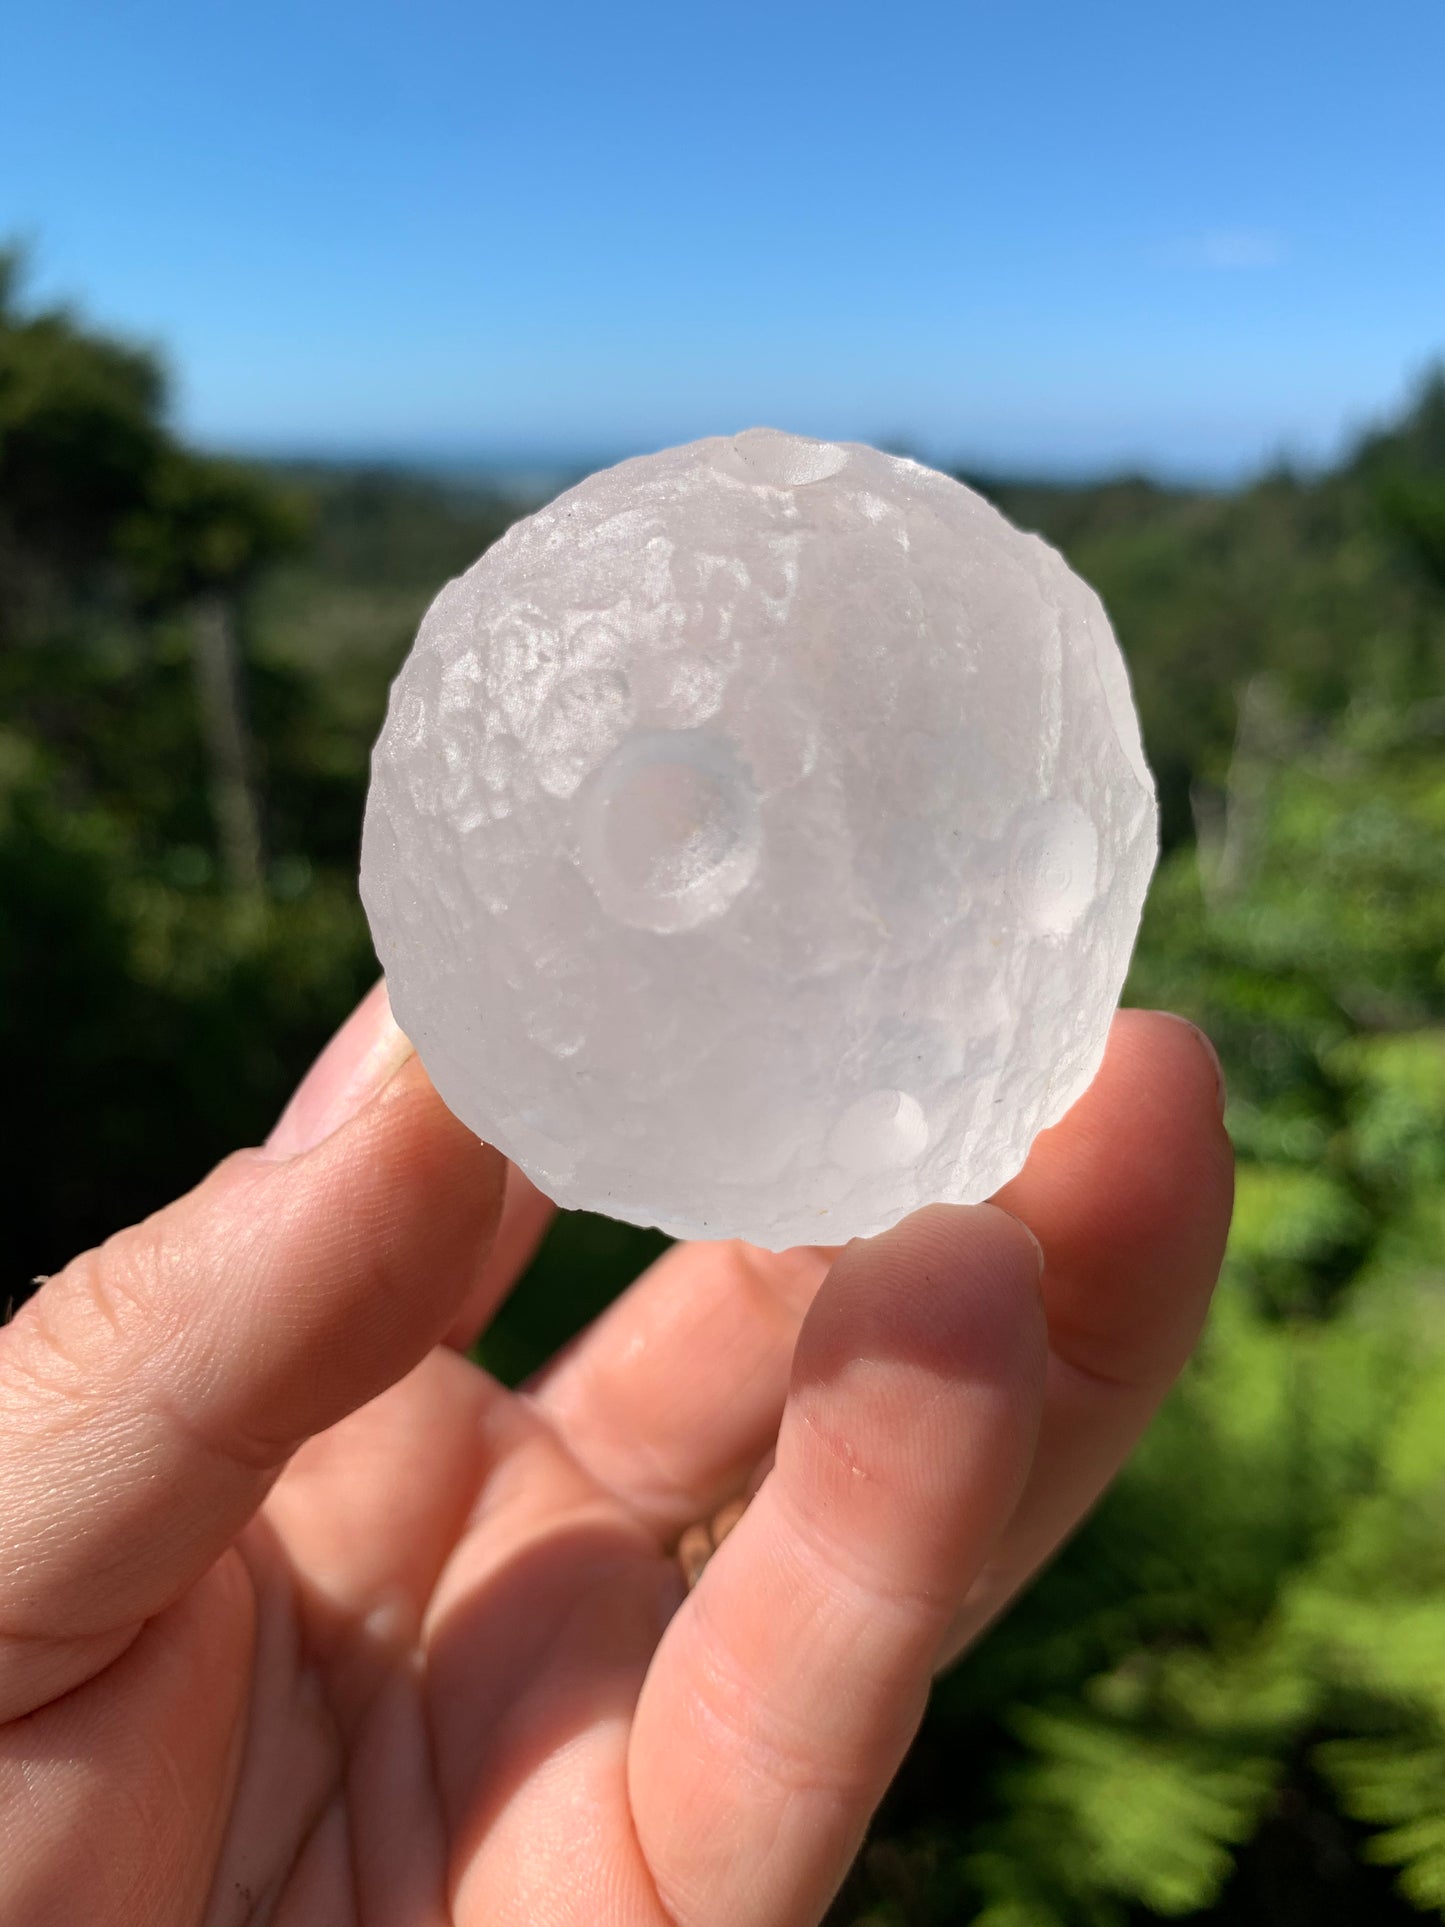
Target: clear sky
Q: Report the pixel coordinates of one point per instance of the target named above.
(1191, 233)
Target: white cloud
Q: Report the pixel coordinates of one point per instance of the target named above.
(1230, 248)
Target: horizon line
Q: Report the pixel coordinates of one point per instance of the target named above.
(527, 469)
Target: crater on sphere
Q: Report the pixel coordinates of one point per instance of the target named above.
(787, 461)
(882, 1131)
(756, 841)
(1055, 866)
(669, 829)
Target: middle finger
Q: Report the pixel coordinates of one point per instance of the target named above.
(672, 1396)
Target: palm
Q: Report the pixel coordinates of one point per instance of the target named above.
(458, 1621)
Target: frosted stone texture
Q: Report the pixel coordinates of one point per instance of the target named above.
(757, 839)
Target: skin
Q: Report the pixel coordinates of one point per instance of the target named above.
(305, 1621)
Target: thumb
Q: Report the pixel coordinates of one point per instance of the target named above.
(151, 1391)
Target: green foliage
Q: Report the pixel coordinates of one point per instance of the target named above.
(150, 1021)
(98, 503)
(1319, 583)
(80, 436)
(1133, 1816)
(1247, 1643)
(1394, 1785)
(150, 1017)
(1226, 1700)
(206, 525)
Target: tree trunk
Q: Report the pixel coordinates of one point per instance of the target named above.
(227, 740)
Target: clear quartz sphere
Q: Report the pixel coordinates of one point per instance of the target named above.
(757, 839)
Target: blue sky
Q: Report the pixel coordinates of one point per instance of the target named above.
(1035, 235)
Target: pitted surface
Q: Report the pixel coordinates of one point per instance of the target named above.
(757, 839)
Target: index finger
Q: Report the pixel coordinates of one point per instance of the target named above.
(151, 1392)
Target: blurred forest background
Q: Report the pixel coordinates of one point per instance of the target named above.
(1226, 1702)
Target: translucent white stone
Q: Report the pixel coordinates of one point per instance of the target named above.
(757, 839)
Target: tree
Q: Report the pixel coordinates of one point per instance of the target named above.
(81, 443)
(104, 514)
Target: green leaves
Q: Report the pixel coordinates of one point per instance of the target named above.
(100, 506)
(1142, 1818)
(206, 525)
(1253, 1624)
(1395, 1787)
(1287, 1215)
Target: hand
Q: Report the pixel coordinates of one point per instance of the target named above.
(304, 1620)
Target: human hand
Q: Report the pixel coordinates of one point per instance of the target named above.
(304, 1620)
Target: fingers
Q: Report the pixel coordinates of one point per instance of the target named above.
(355, 1064)
(150, 1392)
(1130, 1197)
(787, 1688)
(113, 1801)
(673, 1395)
(675, 1392)
(526, 1214)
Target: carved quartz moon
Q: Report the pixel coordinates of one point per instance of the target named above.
(757, 839)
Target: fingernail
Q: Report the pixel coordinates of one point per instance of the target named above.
(361, 1059)
(1209, 1051)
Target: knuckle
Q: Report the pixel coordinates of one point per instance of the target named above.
(785, 1752)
